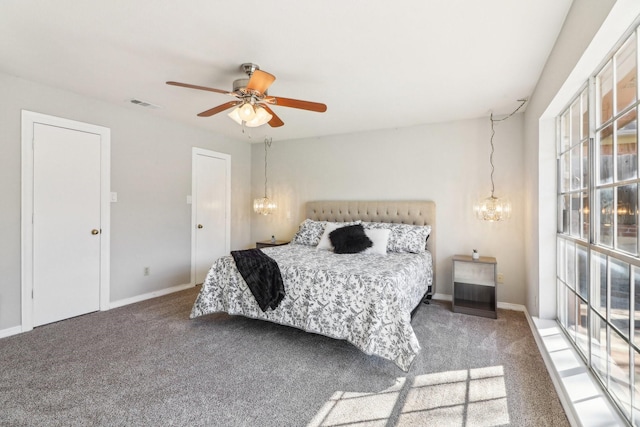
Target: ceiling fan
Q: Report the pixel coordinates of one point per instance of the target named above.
(252, 104)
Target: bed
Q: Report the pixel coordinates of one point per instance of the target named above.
(366, 299)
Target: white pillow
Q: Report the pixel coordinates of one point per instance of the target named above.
(380, 238)
(325, 242)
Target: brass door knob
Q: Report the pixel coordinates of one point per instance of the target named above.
(94, 231)
(200, 226)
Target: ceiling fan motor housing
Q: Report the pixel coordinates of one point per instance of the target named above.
(240, 86)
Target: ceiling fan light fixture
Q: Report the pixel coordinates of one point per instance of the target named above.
(235, 115)
(246, 112)
(262, 117)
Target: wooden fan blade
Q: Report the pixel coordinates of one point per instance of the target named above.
(219, 109)
(260, 81)
(210, 89)
(296, 103)
(275, 121)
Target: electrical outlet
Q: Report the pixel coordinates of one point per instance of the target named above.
(500, 278)
(146, 271)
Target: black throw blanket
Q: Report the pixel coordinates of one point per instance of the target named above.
(262, 275)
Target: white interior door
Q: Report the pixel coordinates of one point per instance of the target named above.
(66, 223)
(211, 198)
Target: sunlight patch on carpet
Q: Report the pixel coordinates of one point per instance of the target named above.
(472, 397)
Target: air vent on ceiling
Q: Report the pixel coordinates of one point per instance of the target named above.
(143, 103)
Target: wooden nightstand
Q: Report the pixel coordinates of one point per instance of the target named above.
(474, 286)
(269, 243)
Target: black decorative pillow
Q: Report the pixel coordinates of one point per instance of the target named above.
(349, 240)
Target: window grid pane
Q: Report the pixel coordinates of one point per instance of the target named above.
(582, 279)
(619, 374)
(562, 266)
(565, 165)
(585, 216)
(627, 146)
(582, 330)
(627, 218)
(575, 122)
(605, 155)
(599, 283)
(571, 315)
(604, 215)
(564, 133)
(619, 274)
(626, 72)
(599, 346)
(576, 211)
(584, 106)
(562, 304)
(570, 253)
(605, 90)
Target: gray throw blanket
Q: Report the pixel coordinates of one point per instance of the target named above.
(262, 275)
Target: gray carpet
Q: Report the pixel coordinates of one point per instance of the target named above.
(148, 364)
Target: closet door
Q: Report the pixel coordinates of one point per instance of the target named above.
(211, 210)
(66, 223)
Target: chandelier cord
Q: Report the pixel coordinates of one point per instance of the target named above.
(493, 132)
(267, 143)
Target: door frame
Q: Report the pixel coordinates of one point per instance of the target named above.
(195, 151)
(29, 119)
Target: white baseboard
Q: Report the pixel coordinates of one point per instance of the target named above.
(10, 331)
(442, 297)
(509, 306)
(154, 294)
(18, 329)
(504, 305)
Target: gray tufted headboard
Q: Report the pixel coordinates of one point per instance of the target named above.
(405, 212)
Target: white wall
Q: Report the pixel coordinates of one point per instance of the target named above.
(447, 163)
(150, 171)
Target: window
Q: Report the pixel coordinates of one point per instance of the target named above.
(598, 250)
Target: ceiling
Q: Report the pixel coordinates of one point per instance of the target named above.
(376, 65)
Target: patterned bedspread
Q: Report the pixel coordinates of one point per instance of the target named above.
(365, 299)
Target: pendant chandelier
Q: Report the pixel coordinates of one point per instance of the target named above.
(492, 208)
(264, 205)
